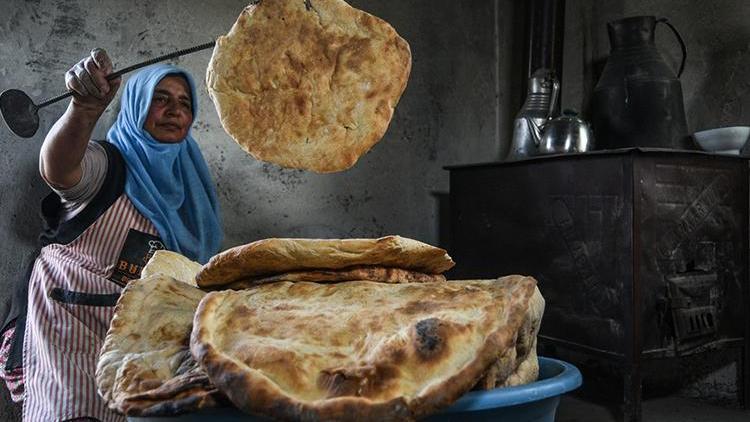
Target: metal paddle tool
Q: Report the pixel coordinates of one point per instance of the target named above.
(21, 114)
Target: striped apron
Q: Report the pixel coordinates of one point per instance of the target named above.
(70, 305)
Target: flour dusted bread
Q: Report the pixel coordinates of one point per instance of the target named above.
(357, 350)
(277, 256)
(307, 85)
(145, 367)
(171, 264)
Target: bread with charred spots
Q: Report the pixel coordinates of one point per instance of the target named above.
(357, 350)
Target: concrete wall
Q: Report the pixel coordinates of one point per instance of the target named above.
(448, 115)
(456, 108)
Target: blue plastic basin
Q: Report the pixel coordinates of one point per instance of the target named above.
(533, 402)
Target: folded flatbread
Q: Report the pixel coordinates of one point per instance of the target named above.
(307, 84)
(369, 273)
(518, 365)
(172, 264)
(357, 350)
(145, 367)
(270, 257)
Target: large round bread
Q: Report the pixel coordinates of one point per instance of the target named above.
(277, 256)
(307, 88)
(145, 367)
(357, 350)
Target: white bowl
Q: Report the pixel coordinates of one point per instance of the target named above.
(723, 140)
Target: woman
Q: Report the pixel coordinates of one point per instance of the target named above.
(114, 204)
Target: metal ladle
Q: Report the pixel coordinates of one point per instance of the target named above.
(21, 114)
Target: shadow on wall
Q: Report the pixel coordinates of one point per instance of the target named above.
(724, 90)
(586, 49)
(443, 219)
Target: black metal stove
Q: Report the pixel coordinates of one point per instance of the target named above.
(642, 256)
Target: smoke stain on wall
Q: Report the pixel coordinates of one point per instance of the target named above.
(288, 178)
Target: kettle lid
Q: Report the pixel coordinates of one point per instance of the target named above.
(570, 114)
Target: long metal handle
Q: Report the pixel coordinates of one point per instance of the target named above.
(55, 99)
(123, 71)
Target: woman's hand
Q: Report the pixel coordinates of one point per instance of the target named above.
(65, 144)
(87, 79)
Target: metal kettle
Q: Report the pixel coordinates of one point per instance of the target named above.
(566, 133)
(536, 111)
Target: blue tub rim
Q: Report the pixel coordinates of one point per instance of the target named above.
(565, 378)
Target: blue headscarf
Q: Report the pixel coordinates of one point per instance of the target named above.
(169, 183)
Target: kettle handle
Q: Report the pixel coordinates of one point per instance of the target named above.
(553, 98)
(665, 21)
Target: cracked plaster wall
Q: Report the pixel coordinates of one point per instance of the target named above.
(447, 115)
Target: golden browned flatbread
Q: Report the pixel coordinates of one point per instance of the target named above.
(519, 364)
(499, 370)
(527, 368)
(368, 273)
(357, 350)
(278, 256)
(307, 88)
(172, 264)
(145, 367)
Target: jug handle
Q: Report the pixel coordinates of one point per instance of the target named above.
(665, 21)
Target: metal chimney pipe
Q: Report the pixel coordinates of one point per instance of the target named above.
(544, 28)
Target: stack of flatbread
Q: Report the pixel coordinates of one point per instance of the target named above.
(308, 84)
(313, 329)
(390, 259)
(145, 367)
(331, 349)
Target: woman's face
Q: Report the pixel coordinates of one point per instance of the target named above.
(171, 113)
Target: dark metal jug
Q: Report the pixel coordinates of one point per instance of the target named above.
(638, 99)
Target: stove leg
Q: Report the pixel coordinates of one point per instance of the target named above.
(632, 395)
(743, 375)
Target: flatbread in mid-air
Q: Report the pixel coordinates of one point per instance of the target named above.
(357, 350)
(307, 84)
(278, 256)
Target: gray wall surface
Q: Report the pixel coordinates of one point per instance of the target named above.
(447, 115)
(456, 107)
